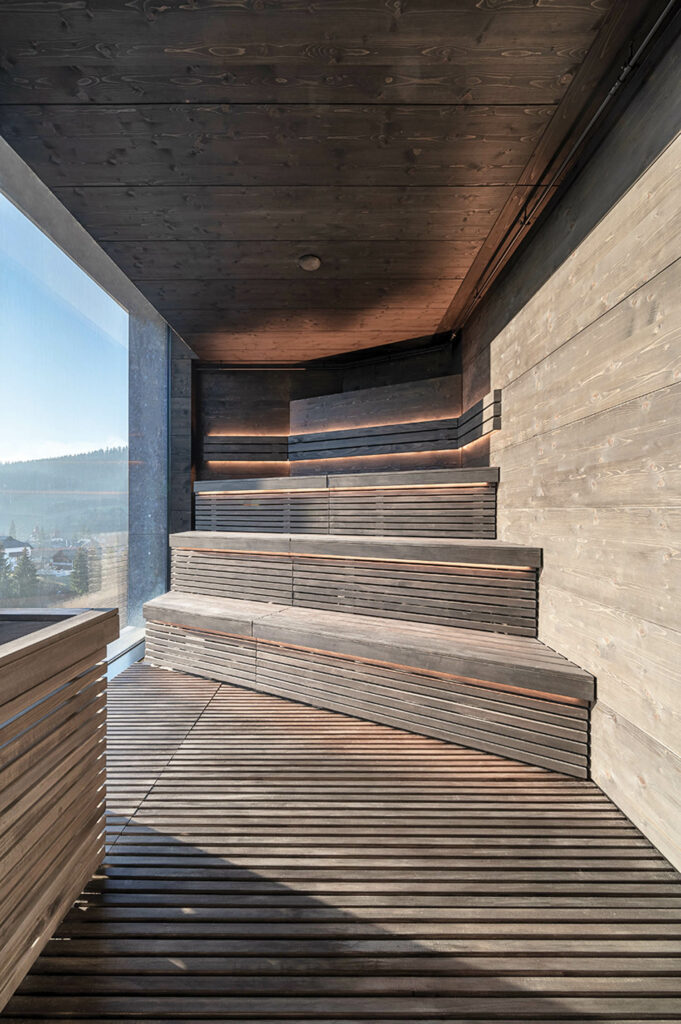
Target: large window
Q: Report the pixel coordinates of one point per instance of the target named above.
(63, 428)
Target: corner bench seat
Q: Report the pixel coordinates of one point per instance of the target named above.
(506, 694)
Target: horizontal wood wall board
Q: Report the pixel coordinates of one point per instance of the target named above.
(543, 405)
(416, 427)
(641, 781)
(415, 400)
(573, 300)
(589, 460)
(620, 456)
(638, 653)
(487, 405)
(614, 568)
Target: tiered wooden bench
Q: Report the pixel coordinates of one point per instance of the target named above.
(428, 503)
(347, 593)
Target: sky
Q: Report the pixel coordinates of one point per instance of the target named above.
(63, 350)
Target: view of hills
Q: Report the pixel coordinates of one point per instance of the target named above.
(66, 496)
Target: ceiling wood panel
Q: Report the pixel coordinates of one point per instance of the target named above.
(403, 321)
(276, 144)
(300, 346)
(260, 214)
(309, 294)
(148, 261)
(208, 145)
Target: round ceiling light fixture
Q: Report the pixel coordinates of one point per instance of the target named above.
(309, 262)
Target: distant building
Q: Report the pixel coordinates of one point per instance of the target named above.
(14, 548)
(62, 559)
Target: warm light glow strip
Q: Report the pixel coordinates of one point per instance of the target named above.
(348, 487)
(368, 558)
(246, 462)
(378, 455)
(332, 430)
(486, 683)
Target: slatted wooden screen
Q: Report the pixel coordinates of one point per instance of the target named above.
(502, 599)
(52, 775)
(456, 511)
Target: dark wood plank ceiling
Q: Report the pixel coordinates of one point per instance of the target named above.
(208, 144)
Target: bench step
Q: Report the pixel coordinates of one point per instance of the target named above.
(474, 584)
(427, 503)
(509, 695)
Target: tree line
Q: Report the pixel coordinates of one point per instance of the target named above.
(21, 579)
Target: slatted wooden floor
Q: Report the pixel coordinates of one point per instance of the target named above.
(271, 861)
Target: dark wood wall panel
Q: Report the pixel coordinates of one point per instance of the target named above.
(253, 448)
(413, 400)
(416, 438)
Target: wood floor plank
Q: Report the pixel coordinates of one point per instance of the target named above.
(273, 861)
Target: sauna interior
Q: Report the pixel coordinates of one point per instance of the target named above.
(340, 511)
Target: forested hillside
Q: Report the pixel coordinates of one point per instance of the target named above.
(73, 494)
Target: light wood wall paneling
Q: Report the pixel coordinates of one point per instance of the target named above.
(52, 775)
(590, 369)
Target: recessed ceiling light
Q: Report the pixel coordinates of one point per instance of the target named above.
(309, 262)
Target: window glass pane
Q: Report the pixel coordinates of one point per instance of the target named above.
(63, 428)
